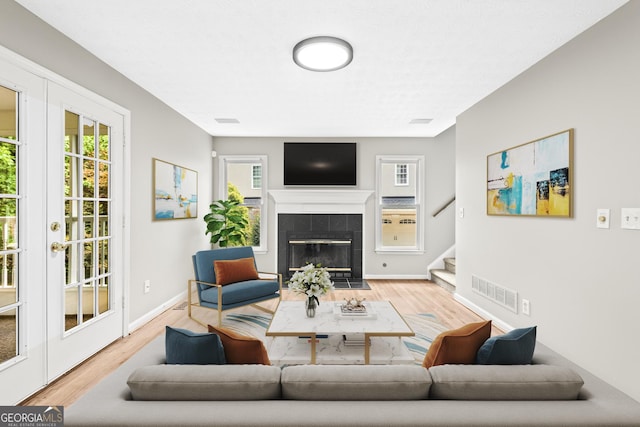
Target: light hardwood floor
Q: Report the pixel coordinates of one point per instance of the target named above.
(408, 296)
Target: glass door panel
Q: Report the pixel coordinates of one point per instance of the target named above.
(10, 250)
(9, 335)
(87, 204)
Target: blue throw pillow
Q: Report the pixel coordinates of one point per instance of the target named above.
(513, 348)
(183, 347)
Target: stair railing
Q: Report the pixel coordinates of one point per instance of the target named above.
(445, 206)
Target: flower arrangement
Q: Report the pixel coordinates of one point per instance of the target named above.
(312, 281)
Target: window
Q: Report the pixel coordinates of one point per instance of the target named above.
(241, 179)
(399, 202)
(402, 174)
(256, 177)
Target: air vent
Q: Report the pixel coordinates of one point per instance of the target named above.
(505, 297)
(227, 121)
(420, 121)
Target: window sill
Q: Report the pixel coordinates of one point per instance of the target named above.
(400, 251)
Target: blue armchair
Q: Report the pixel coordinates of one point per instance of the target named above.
(216, 295)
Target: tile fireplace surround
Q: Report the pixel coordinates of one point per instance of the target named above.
(329, 213)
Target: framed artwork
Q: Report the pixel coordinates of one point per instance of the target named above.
(532, 179)
(175, 190)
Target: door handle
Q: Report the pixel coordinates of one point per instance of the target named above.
(58, 247)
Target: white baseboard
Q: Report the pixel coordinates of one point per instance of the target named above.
(396, 277)
(141, 321)
(483, 313)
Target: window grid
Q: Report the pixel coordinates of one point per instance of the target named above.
(402, 174)
(256, 177)
(87, 227)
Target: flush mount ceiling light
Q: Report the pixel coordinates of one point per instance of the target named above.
(322, 53)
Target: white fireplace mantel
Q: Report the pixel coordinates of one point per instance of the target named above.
(320, 201)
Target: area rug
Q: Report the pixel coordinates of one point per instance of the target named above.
(426, 327)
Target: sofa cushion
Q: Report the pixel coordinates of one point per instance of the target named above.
(241, 291)
(502, 382)
(184, 347)
(457, 345)
(355, 382)
(205, 382)
(237, 270)
(513, 348)
(241, 349)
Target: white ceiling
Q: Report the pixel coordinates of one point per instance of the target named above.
(413, 59)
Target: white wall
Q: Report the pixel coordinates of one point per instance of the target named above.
(440, 186)
(582, 282)
(160, 251)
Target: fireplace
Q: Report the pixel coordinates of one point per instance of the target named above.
(332, 252)
(332, 240)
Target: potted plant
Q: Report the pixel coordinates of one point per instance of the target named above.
(227, 223)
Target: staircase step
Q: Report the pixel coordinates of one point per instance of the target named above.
(444, 278)
(450, 264)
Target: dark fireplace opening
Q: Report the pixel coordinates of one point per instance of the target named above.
(334, 254)
(332, 240)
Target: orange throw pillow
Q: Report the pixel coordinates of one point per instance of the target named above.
(236, 270)
(457, 346)
(241, 349)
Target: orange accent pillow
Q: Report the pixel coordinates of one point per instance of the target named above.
(241, 349)
(235, 270)
(457, 346)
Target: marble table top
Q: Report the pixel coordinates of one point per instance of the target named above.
(290, 320)
(375, 338)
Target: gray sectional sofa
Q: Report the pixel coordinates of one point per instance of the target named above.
(551, 392)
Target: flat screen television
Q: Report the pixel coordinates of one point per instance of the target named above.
(320, 163)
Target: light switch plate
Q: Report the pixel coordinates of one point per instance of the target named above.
(602, 218)
(630, 218)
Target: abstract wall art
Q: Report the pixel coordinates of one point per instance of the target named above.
(175, 191)
(532, 179)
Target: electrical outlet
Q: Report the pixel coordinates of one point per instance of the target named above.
(147, 286)
(526, 307)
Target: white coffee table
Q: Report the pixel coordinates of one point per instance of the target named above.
(323, 342)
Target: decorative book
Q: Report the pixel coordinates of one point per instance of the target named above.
(346, 310)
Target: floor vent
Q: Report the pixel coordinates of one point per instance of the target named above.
(505, 297)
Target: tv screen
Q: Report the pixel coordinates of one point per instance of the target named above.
(320, 163)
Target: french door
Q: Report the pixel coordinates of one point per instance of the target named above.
(61, 226)
(22, 211)
(84, 196)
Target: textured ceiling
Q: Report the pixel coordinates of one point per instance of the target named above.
(413, 59)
